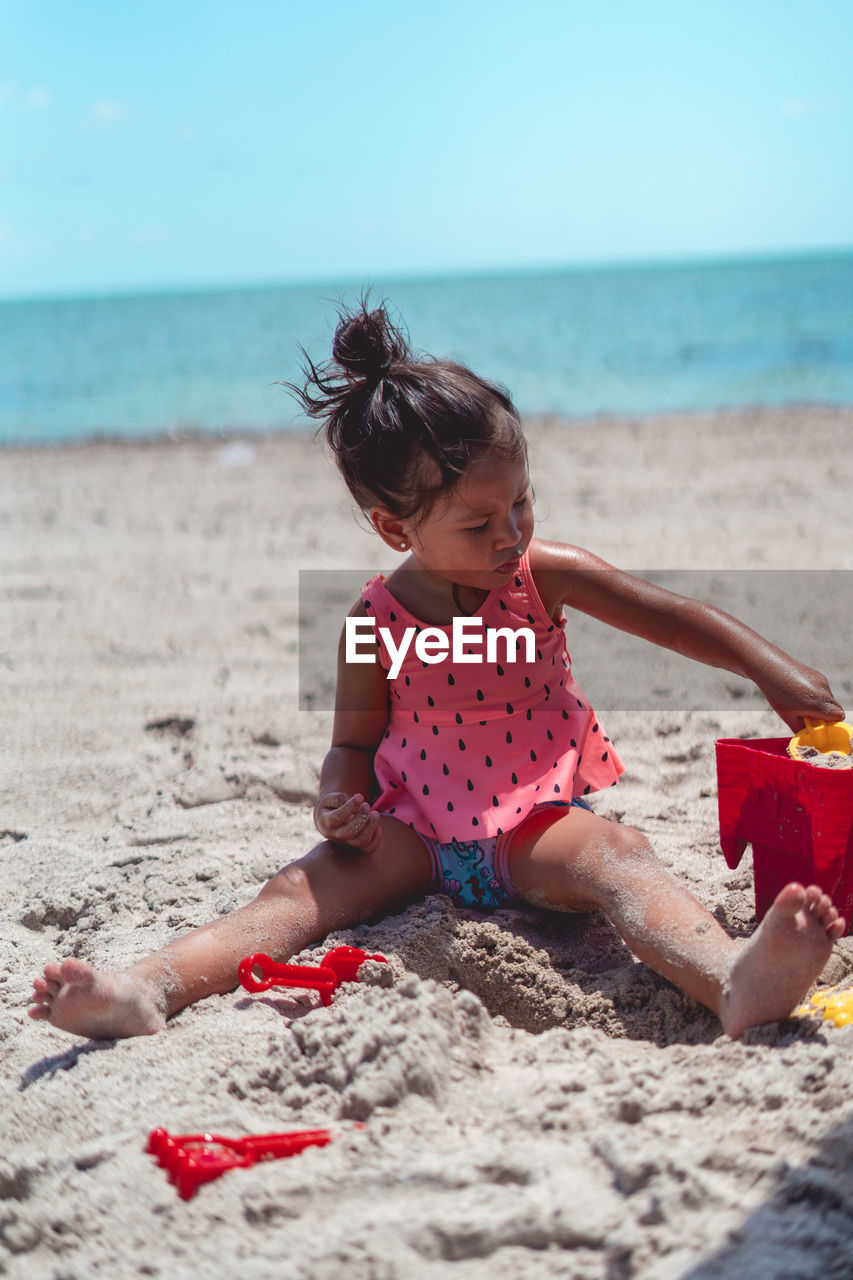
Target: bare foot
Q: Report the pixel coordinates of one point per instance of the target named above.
(772, 971)
(77, 998)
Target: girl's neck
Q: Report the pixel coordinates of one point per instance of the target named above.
(467, 600)
(431, 598)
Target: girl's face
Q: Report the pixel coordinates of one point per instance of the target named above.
(476, 536)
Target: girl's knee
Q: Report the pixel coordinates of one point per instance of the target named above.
(300, 879)
(289, 882)
(627, 850)
(630, 842)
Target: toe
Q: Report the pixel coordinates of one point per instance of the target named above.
(76, 971)
(824, 910)
(790, 899)
(44, 988)
(814, 896)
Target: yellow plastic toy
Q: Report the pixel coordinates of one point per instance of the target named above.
(826, 738)
(834, 1006)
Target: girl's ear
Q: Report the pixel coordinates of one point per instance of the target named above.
(389, 528)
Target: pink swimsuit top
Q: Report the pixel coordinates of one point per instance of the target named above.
(471, 748)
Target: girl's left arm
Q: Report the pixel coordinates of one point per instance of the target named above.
(577, 578)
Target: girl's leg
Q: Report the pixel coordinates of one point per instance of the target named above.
(332, 887)
(576, 861)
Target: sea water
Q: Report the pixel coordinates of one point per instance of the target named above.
(574, 342)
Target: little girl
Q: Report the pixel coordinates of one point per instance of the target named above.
(465, 772)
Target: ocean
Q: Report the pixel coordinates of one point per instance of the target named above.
(573, 342)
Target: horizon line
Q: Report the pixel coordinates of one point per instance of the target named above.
(437, 274)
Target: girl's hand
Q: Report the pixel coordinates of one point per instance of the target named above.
(797, 692)
(348, 820)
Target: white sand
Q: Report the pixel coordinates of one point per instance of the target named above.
(535, 1102)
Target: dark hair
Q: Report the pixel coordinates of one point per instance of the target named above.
(403, 428)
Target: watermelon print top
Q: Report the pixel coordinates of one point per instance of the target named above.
(471, 748)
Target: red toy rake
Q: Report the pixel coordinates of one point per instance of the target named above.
(341, 964)
(193, 1158)
(798, 819)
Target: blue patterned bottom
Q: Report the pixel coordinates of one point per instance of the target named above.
(467, 872)
(468, 875)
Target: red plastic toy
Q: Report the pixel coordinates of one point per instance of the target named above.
(193, 1158)
(341, 964)
(798, 819)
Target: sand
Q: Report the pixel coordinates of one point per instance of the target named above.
(534, 1102)
(826, 759)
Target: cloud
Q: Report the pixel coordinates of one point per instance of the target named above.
(796, 108)
(186, 133)
(108, 113)
(38, 98)
(20, 245)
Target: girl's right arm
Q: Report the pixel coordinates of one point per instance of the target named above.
(572, 576)
(343, 812)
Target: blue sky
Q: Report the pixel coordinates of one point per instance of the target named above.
(162, 145)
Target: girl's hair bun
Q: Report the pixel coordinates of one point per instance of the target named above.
(403, 427)
(366, 344)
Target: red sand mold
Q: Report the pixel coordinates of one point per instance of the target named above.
(798, 819)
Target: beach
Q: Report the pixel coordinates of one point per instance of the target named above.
(526, 1099)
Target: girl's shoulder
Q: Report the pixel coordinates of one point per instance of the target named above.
(552, 565)
(375, 599)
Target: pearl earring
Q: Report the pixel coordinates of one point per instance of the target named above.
(402, 546)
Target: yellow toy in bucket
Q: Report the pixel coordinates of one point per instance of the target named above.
(831, 1004)
(828, 739)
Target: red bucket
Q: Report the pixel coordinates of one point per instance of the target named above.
(797, 817)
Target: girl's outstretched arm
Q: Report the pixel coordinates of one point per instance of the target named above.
(577, 578)
(343, 812)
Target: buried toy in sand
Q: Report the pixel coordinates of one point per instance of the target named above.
(259, 972)
(797, 817)
(191, 1159)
